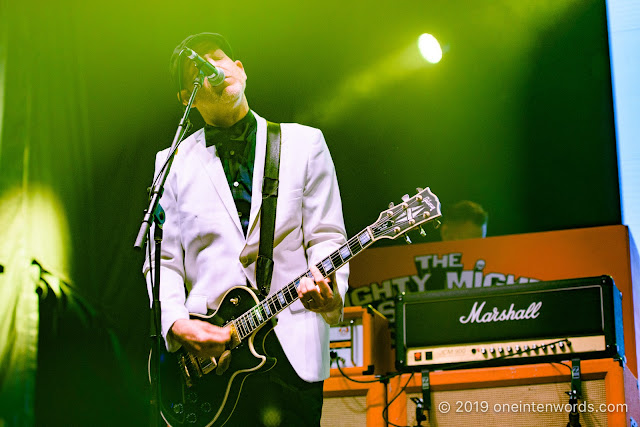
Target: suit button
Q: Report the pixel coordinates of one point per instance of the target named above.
(243, 260)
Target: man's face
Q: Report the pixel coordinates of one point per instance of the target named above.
(231, 90)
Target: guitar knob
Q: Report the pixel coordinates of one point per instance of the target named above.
(193, 397)
(192, 418)
(178, 408)
(206, 407)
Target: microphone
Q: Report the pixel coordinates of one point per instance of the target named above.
(214, 74)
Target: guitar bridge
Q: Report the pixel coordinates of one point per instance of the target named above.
(194, 367)
(184, 370)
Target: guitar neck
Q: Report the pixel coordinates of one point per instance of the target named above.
(253, 319)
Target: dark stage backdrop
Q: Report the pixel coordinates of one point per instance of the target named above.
(517, 116)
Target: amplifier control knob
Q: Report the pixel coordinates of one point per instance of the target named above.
(525, 348)
(500, 350)
(561, 346)
(508, 349)
(552, 346)
(516, 348)
(492, 350)
(534, 347)
(483, 350)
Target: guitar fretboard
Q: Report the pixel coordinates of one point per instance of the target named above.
(264, 311)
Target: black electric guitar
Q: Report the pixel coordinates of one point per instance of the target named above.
(195, 391)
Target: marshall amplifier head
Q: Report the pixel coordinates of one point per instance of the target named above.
(525, 323)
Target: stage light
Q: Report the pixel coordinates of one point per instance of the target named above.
(430, 48)
(366, 85)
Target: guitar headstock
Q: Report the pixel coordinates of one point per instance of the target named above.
(411, 213)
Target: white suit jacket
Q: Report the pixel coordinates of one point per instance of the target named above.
(205, 251)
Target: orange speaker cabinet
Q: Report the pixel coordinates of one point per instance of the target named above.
(348, 403)
(523, 395)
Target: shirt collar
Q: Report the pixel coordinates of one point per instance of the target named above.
(242, 131)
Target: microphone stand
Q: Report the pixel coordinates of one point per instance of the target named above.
(156, 212)
(575, 394)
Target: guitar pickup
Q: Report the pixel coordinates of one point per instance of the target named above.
(208, 365)
(235, 337)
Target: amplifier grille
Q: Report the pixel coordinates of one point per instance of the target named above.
(546, 394)
(344, 411)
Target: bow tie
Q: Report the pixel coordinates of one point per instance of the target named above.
(231, 142)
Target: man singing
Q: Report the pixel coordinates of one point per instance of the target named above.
(212, 199)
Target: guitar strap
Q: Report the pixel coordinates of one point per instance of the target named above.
(264, 266)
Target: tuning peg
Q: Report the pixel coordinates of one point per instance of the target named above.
(391, 205)
(405, 198)
(437, 223)
(422, 232)
(407, 239)
(419, 189)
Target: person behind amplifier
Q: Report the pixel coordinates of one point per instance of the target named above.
(212, 202)
(464, 220)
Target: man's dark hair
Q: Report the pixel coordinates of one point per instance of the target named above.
(201, 43)
(465, 210)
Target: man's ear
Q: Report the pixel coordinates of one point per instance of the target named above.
(241, 66)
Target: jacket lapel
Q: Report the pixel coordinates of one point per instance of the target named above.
(215, 171)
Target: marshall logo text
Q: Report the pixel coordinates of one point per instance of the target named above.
(477, 316)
